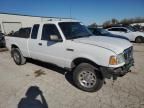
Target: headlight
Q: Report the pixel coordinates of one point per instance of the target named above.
(120, 58)
(114, 60)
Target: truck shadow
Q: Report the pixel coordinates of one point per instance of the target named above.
(68, 74)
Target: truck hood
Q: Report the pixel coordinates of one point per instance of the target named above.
(114, 44)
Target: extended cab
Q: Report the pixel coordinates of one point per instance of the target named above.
(69, 44)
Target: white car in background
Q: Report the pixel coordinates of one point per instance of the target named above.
(132, 35)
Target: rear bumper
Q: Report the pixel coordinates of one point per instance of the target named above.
(117, 72)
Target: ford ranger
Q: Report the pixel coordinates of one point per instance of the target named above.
(70, 45)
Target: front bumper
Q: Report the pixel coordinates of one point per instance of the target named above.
(117, 72)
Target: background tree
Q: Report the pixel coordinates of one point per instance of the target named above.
(106, 24)
(114, 21)
(125, 22)
(93, 25)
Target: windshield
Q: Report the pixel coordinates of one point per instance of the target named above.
(130, 28)
(73, 30)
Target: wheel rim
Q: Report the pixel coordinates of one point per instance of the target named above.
(87, 79)
(16, 57)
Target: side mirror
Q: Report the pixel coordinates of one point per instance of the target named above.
(55, 38)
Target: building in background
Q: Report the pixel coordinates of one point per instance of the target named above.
(13, 22)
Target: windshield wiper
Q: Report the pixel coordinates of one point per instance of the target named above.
(76, 37)
(84, 36)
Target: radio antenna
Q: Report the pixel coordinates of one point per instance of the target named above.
(70, 10)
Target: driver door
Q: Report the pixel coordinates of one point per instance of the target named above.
(51, 51)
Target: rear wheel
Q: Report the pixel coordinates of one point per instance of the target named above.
(87, 78)
(139, 39)
(18, 57)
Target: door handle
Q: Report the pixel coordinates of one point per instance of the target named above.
(68, 49)
(40, 44)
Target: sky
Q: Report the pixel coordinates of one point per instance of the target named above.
(87, 11)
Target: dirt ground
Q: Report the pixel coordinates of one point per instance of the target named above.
(54, 88)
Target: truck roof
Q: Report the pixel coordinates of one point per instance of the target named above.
(57, 21)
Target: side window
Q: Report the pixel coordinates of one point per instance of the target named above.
(48, 30)
(35, 31)
(114, 29)
(123, 30)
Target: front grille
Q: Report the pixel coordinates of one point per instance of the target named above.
(128, 53)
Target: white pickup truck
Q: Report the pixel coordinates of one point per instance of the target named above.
(69, 44)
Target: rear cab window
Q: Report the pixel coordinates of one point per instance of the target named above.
(22, 33)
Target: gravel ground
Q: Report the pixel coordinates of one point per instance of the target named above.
(58, 91)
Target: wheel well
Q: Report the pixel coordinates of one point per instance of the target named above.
(140, 37)
(77, 61)
(14, 46)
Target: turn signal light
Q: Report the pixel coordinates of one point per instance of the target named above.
(113, 60)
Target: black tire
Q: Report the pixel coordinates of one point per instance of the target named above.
(89, 68)
(18, 58)
(139, 39)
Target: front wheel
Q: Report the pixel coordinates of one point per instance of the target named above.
(87, 78)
